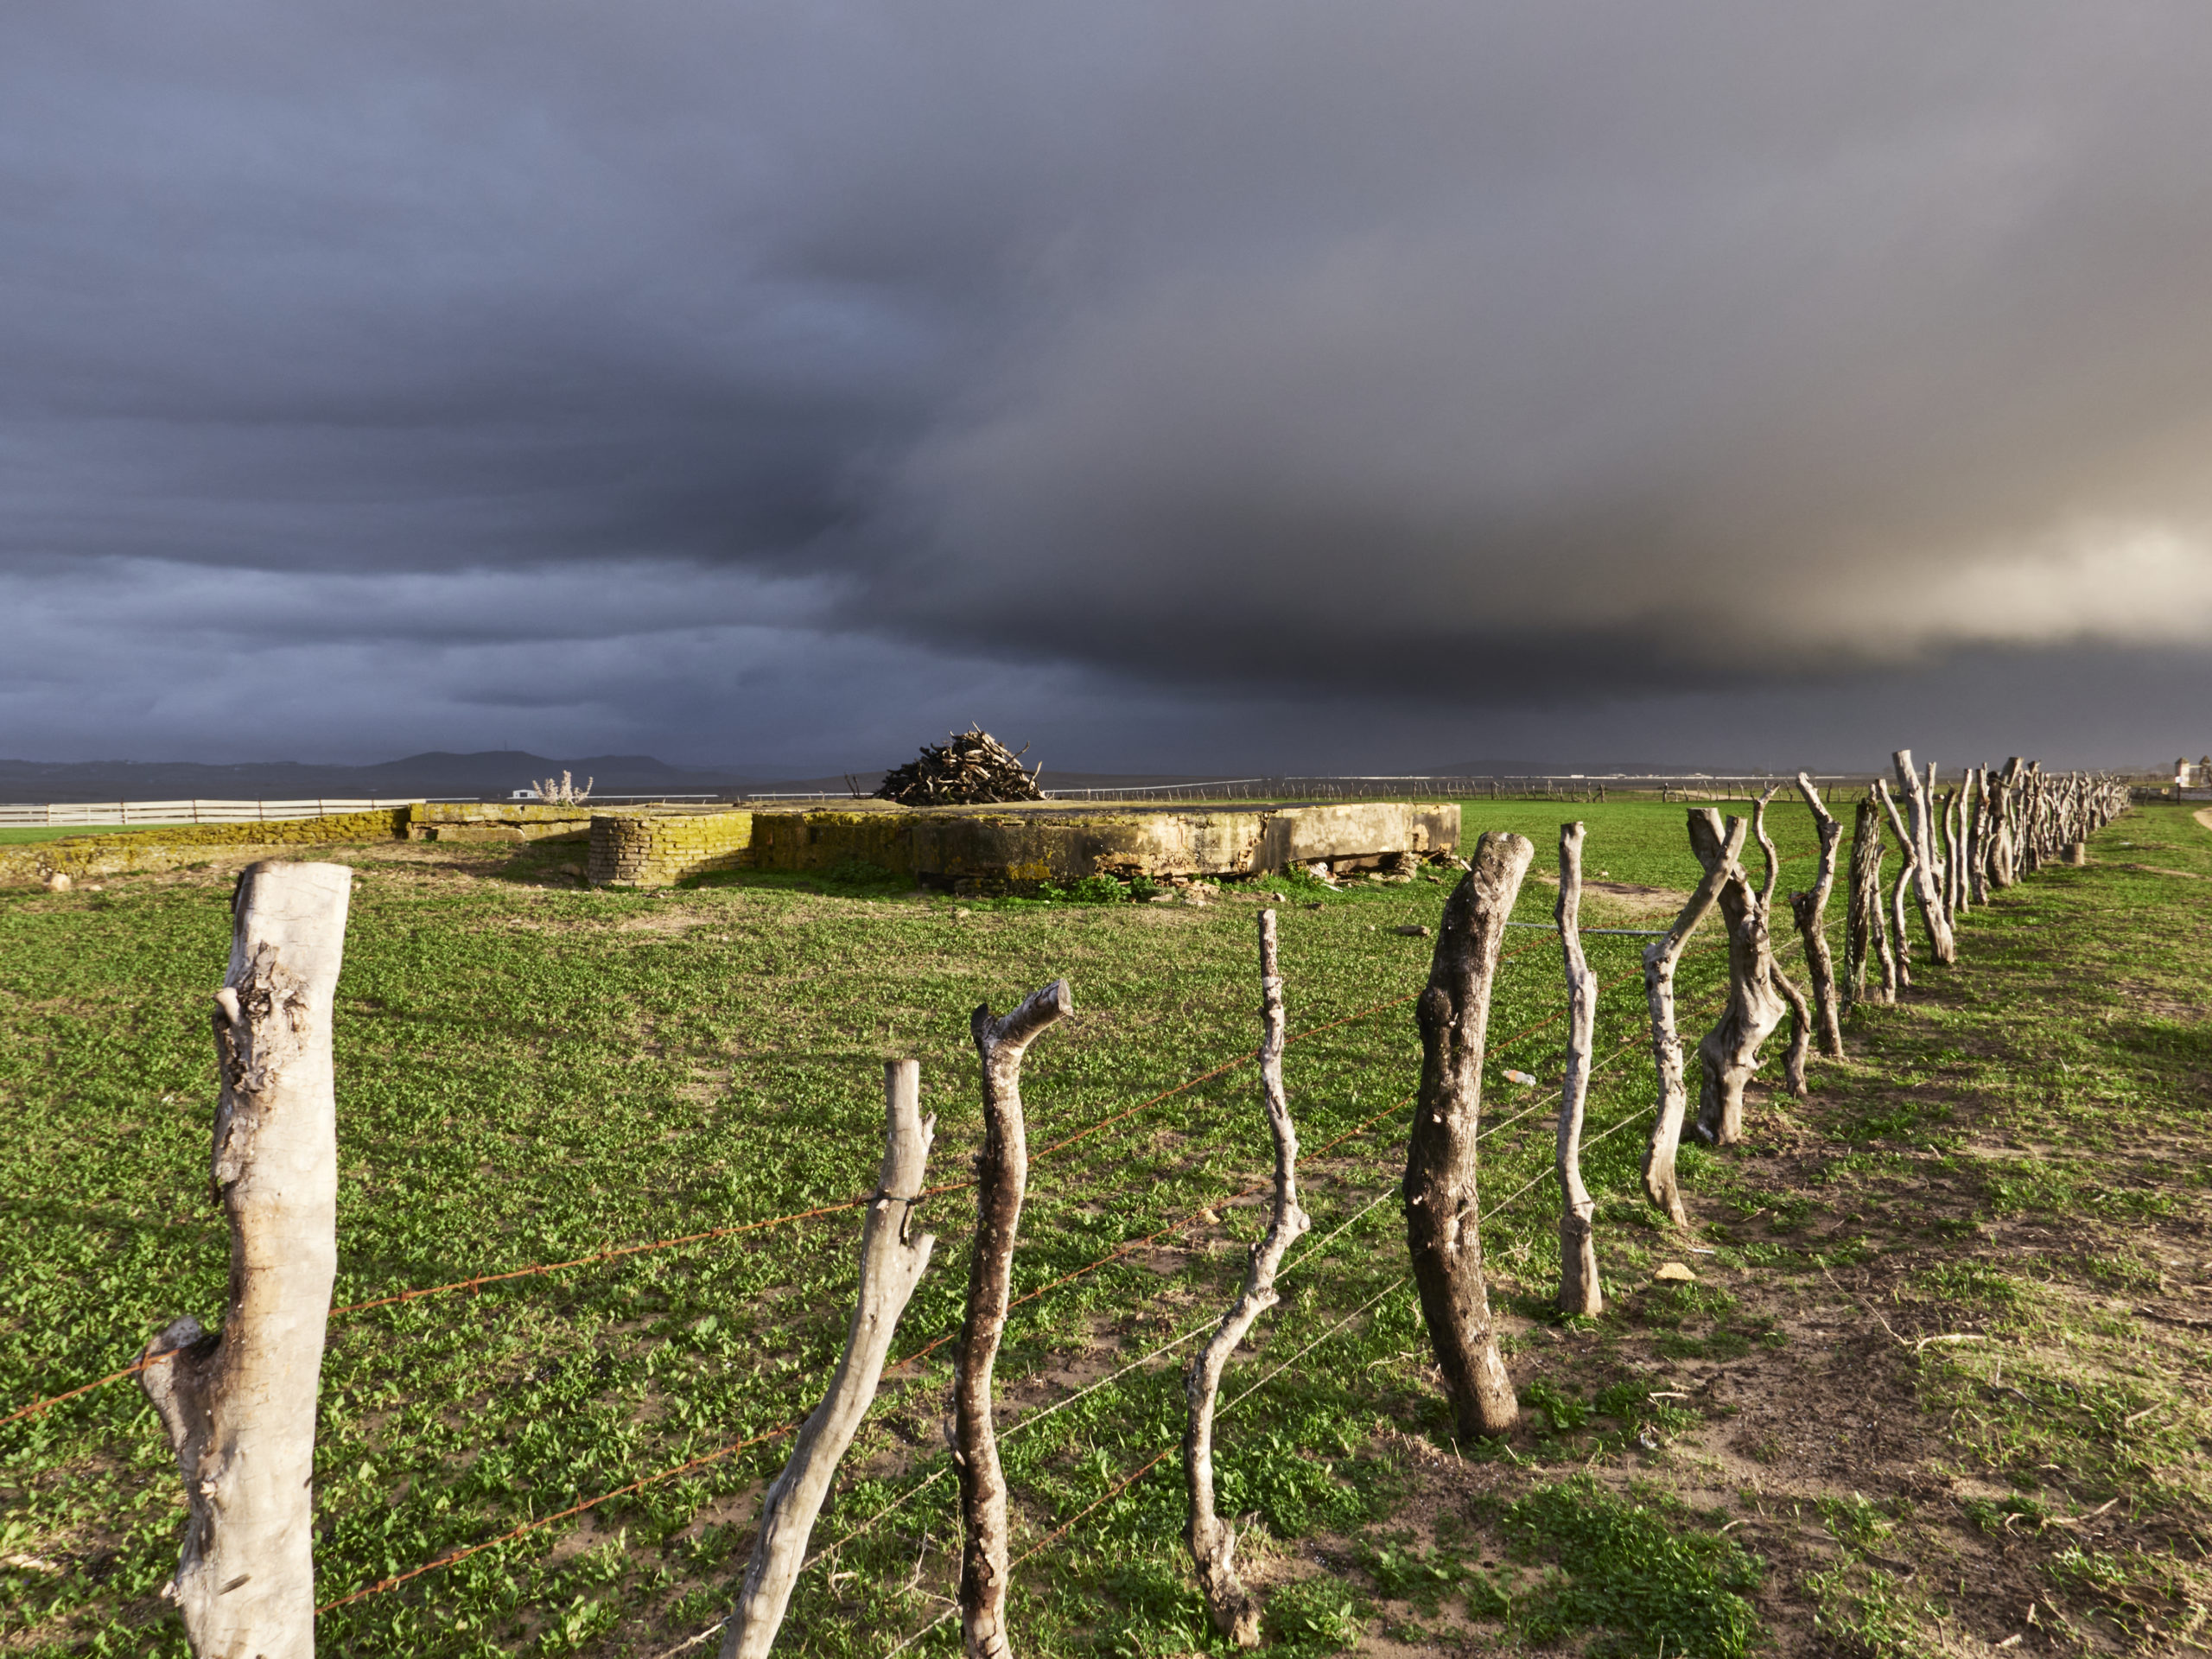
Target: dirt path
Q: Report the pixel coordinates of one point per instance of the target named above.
(1946, 1360)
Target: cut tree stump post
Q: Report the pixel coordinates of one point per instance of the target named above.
(1659, 959)
(1809, 911)
(1729, 1054)
(1579, 1289)
(238, 1404)
(892, 1259)
(1001, 1176)
(1235, 1613)
(1440, 1188)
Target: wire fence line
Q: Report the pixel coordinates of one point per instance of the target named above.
(477, 1282)
(1304, 1259)
(391, 1581)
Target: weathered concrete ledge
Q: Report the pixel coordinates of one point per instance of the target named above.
(1015, 848)
(497, 821)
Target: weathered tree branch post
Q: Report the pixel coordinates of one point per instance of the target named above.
(1863, 942)
(1946, 808)
(1729, 1054)
(892, 1259)
(1977, 836)
(1800, 1012)
(238, 1404)
(2005, 846)
(1001, 1176)
(1925, 886)
(1235, 1613)
(1441, 1189)
(2031, 840)
(1900, 939)
(1659, 959)
(1809, 911)
(1579, 1289)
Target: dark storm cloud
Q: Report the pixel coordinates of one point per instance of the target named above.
(1097, 359)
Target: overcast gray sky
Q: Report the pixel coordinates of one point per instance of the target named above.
(1251, 384)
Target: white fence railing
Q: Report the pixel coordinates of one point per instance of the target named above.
(126, 812)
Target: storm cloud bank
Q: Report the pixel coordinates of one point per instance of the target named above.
(1244, 372)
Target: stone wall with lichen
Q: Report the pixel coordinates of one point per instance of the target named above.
(29, 863)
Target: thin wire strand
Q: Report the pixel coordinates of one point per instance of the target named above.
(399, 1579)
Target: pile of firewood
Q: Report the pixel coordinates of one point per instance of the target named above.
(973, 768)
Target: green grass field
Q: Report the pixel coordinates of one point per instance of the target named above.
(528, 1073)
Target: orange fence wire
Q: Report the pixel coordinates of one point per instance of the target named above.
(700, 1462)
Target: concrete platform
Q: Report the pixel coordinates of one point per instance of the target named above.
(1012, 848)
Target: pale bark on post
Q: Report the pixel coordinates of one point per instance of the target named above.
(1925, 889)
(1660, 959)
(238, 1404)
(892, 1259)
(1975, 815)
(1729, 1054)
(1440, 1188)
(1001, 1176)
(1955, 869)
(1863, 943)
(1579, 1289)
(1809, 911)
(1900, 939)
(1800, 1012)
(1235, 1613)
(2004, 845)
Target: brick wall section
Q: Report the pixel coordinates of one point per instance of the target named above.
(78, 857)
(654, 850)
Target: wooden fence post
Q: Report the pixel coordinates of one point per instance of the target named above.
(1441, 1189)
(1001, 1176)
(1729, 1054)
(1659, 959)
(1927, 880)
(892, 1262)
(1579, 1289)
(1900, 940)
(1800, 1011)
(1235, 1613)
(239, 1403)
(1809, 911)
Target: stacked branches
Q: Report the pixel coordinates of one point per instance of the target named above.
(972, 769)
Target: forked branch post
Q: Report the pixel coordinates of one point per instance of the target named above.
(1001, 1176)
(1660, 956)
(893, 1259)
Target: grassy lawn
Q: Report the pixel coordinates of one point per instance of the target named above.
(2014, 1163)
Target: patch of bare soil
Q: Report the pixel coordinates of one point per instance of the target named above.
(1811, 1358)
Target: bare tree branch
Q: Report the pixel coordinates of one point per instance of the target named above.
(1235, 1613)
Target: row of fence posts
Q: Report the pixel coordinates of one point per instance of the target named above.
(238, 1404)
